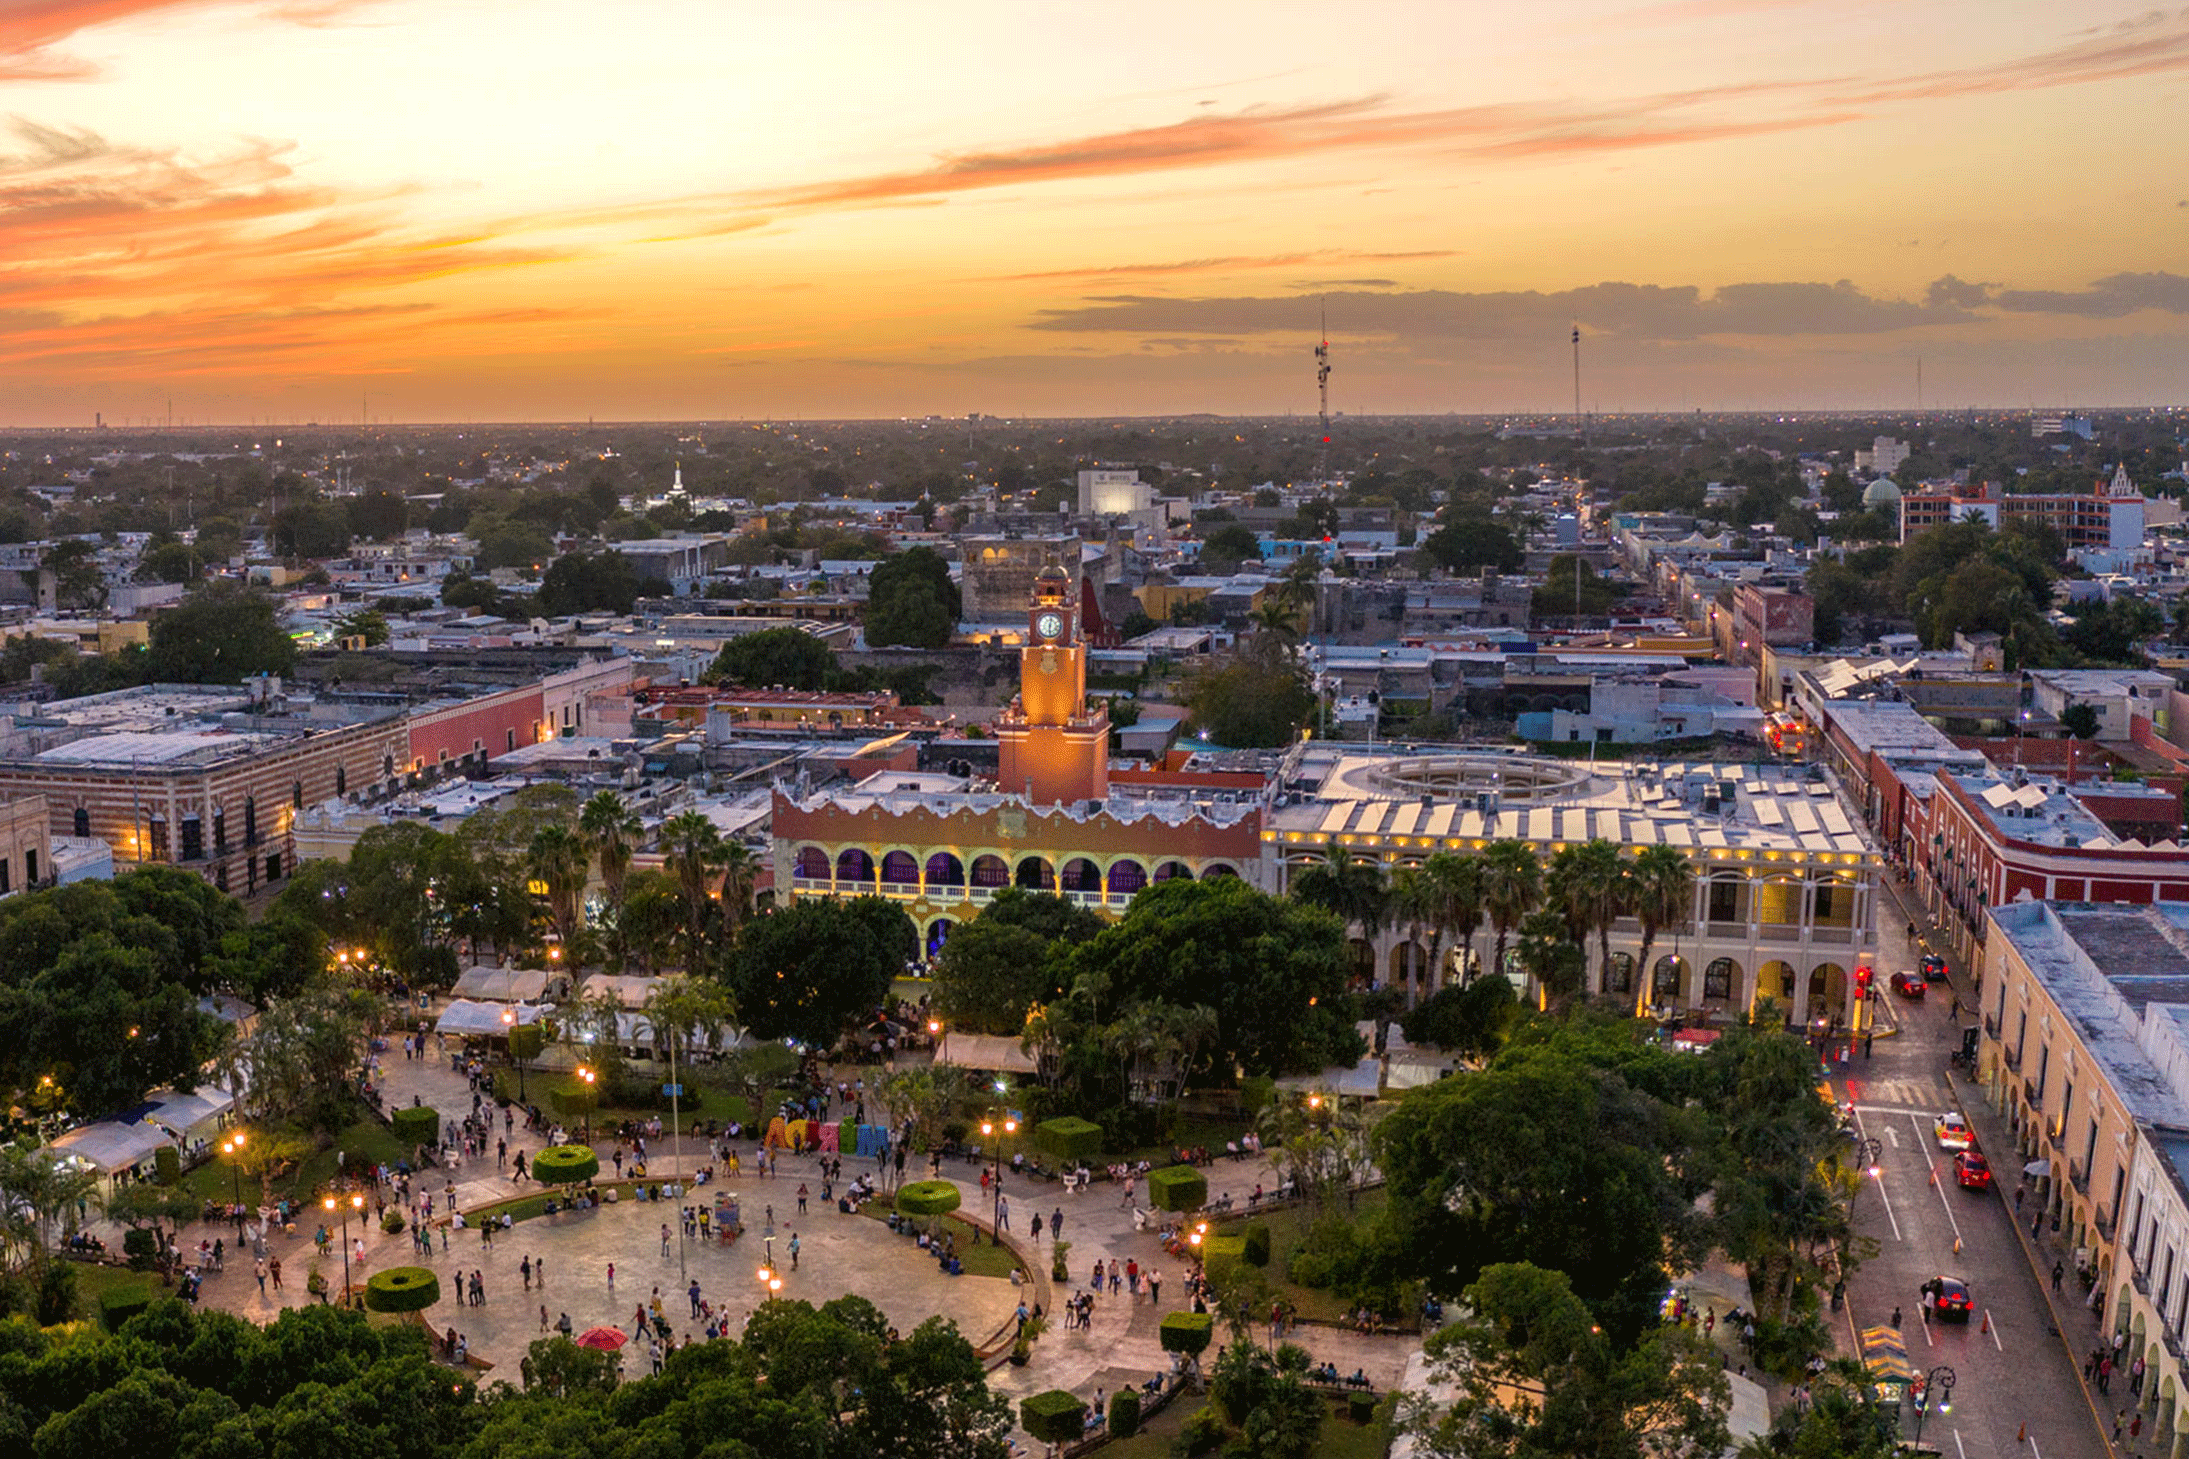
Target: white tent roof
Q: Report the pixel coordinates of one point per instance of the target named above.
(508, 985)
(985, 1051)
(111, 1146)
(628, 989)
(183, 1113)
(483, 1019)
(637, 1029)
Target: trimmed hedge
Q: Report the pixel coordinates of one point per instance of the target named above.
(418, 1125)
(167, 1165)
(1055, 1417)
(1187, 1332)
(1124, 1413)
(1256, 1237)
(1069, 1138)
(1361, 1407)
(571, 1098)
(402, 1289)
(565, 1165)
(1177, 1188)
(123, 1303)
(1221, 1258)
(927, 1198)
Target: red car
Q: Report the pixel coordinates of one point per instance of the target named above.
(1910, 985)
(1972, 1170)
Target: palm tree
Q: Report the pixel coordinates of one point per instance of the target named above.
(1548, 954)
(692, 847)
(1455, 902)
(611, 829)
(556, 858)
(1348, 885)
(1663, 885)
(1414, 902)
(1512, 886)
(740, 869)
(1588, 887)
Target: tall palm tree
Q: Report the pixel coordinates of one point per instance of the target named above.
(1349, 885)
(740, 870)
(692, 848)
(1455, 883)
(611, 830)
(1414, 903)
(1588, 887)
(556, 858)
(1663, 881)
(1548, 954)
(1512, 886)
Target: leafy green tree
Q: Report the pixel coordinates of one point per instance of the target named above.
(509, 543)
(370, 624)
(1248, 703)
(788, 658)
(1558, 597)
(1350, 886)
(1223, 549)
(1274, 971)
(582, 582)
(171, 562)
(911, 600)
(1467, 1020)
(78, 581)
(222, 633)
(1538, 1377)
(1469, 540)
(2080, 720)
(990, 974)
(807, 970)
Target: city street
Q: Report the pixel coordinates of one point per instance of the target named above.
(2017, 1389)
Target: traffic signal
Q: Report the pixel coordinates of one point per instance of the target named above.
(1862, 982)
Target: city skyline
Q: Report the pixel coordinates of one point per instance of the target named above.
(429, 212)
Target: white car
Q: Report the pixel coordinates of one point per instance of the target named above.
(1953, 1133)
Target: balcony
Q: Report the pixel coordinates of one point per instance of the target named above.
(2032, 1095)
(2140, 1280)
(2078, 1176)
(2104, 1222)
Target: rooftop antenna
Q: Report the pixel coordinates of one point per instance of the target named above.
(1918, 384)
(1577, 377)
(1322, 386)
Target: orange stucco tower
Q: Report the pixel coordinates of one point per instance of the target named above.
(1053, 747)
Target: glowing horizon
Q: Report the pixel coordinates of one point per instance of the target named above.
(680, 209)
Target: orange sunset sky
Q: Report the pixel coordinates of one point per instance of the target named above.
(543, 209)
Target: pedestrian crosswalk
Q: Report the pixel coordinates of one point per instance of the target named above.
(1919, 1094)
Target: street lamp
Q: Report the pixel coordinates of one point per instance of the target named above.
(1869, 1150)
(989, 1128)
(769, 1281)
(941, 1036)
(1938, 1380)
(356, 1203)
(229, 1147)
(509, 1032)
(588, 1076)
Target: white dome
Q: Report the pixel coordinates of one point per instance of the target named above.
(1882, 492)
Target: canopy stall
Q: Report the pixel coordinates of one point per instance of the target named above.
(997, 1053)
(502, 985)
(484, 1020)
(628, 989)
(191, 1116)
(110, 1146)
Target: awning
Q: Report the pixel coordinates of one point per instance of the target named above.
(185, 1113)
(110, 1146)
(484, 1020)
(507, 985)
(998, 1053)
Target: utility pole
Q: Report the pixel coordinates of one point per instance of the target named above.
(1322, 386)
(1577, 377)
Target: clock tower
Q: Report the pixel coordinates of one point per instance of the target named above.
(1053, 747)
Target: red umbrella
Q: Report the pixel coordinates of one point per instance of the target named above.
(607, 1339)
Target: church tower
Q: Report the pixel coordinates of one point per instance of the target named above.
(1054, 748)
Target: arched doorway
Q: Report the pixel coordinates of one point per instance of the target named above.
(1775, 981)
(812, 864)
(854, 865)
(1221, 868)
(1667, 978)
(1173, 870)
(1409, 964)
(1036, 874)
(990, 871)
(938, 932)
(945, 870)
(1721, 981)
(1827, 992)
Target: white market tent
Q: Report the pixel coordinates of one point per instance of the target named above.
(189, 1115)
(109, 1146)
(504, 985)
(997, 1052)
(484, 1020)
(628, 989)
(635, 1030)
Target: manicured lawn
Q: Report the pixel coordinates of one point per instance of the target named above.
(366, 1137)
(1288, 1227)
(1341, 1438)
(983, 1260)
(93, 1282)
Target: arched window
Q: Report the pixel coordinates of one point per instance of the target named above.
(812, 863)
(991, 871)
(1081, 875)
(1670, 973)
(1619, 974)
(83, 821)
(1221, 868)
(899, 869)
(1127, 877)
(1036, 874)
(1718, 978)
(945, 870)
(854, 865)
(1174, 870)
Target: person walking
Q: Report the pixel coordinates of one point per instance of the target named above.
(1056, 1224)
(693, 1293)
(259, 1270)
(1127, 1199)
(2058, 1271)
(611, 1276)
(273, 1269)
(1003, 1213)
(1037, 1228)
(801, 1198)
(1155, 1286)
(665, 1238)
(543, 1317)
(524, 1269)
(794, 1251)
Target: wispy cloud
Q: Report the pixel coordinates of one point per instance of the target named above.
(30, 30)
(1231, 264)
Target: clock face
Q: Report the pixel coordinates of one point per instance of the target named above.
(1049, 625)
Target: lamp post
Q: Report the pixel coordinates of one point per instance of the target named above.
(356, 1203)
(941, 1036)
(229, 1147)
(997, 1128)
(770, 1283)
(587, 1077)
(1938, 1380)
(509, 1032)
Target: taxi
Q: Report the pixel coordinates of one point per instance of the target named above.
(1953, 1132)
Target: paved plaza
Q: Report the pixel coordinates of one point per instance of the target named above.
(839, 1254)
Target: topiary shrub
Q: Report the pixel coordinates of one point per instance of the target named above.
(1221, 1258)
(167, 1165)
(1069, 1138)
(565, 1165)
(927, 1198)
(1055, 1417)
(1124, 1414)
(1188, 1333)
(419, 1125)
(392, 1222)
(1177, 1188)
(140, 1246)
(1361, 1407)
(121, 1304)
(402, 1289)
(1256, 1237)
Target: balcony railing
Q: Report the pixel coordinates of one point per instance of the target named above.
(2030, 1094)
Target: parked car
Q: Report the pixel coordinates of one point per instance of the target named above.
(1951, 1299)
(1934, 967)
(1972, 1170)
(1953, 1132)
(1910, 985)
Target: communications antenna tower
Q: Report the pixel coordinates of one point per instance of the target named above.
(1577, 377)
(1322, 386)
